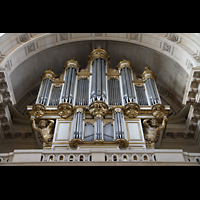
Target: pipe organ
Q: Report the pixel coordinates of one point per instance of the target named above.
(98, 106)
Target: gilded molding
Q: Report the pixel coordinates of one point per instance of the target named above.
(65, 110)
(38, 110)
(132, 109)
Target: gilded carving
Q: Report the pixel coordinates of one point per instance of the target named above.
(98, 108)
(125, 63)
(38, 110)
(148, 74)
(74, 142)
(152, 135)
(65, 110)
(48, 74)
(121, 142)
(44, 135)
(132, 109)
(98, 53)
(72, 63)
(158, 111)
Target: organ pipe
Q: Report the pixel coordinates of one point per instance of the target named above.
(114, 92)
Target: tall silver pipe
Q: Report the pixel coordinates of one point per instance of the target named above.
(71, 91)
(131, 84)
(125, 86)
(42, 91)
(103, 80)
(98, 79)
(79, 85)
(68, 85)
(116, 126)
(47, 91)
(94, 81)
(149, 92)
(152, 92)
(155, 91)
(112, 89)
(84, 91)
(80, 125)
(81, 91)
(75, 125)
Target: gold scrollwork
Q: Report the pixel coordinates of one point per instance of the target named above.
(38, 110)
(131, 109)
(65, 110)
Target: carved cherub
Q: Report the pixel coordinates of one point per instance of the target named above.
(45, 131)
(152, 130)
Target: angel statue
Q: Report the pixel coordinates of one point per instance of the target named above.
(45, 135)
(152, 135)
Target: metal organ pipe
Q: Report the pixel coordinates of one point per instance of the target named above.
(46, 85)
(114, 92)
(152, 92)
(119, 127)
(98, 86)
(78, 125)
(128, 89)
(82, 92)
(142, 99)
(68, 90)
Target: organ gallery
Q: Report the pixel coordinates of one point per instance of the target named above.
(98, 107)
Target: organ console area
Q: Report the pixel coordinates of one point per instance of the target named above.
(98, 106)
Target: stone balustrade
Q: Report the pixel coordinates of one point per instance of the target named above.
(100, 157)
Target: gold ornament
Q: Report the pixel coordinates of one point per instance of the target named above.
(44, 135)
(158, 111)
(74, 142)
(148, 74)
(38, 110)
(65, 110)
(98, 108)
(48, 74)
(132, 109)
(121, 142)
(152, 135)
